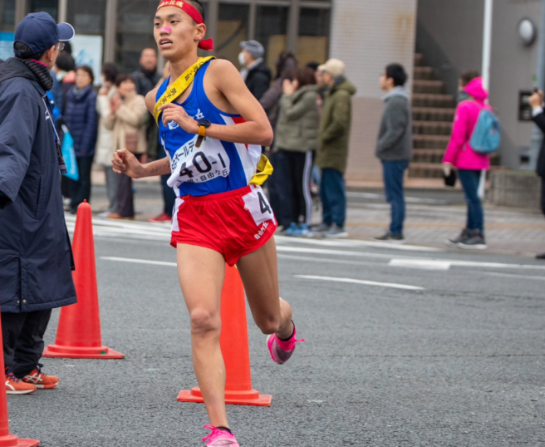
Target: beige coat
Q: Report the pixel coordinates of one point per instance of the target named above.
(105, 147)
(130, 118)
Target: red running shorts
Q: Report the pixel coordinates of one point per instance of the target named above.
(234, 223)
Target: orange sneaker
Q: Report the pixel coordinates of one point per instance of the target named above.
(41, 380)
(16, 386)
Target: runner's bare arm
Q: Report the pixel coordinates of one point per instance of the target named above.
(124, 162)
(150, 99)
(228, 82)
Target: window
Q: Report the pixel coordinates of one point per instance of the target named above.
(87, 17)
(271, 31)
(134, 31)
(49, 6)
(313, 40)
(232, 30)
(7, 15)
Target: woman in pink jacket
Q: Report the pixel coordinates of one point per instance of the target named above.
(469, 163)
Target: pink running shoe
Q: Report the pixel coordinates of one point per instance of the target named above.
(219, 438)
(281, 351)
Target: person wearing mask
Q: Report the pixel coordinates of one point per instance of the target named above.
(395, 146)
(36, 259)
(470, 164)
(127, 120)
(81, 117)
(536, 101)
(105, 145)
(255, 72)
(333, 140)
(297, 137)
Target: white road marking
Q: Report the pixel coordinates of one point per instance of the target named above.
(355, 243)
(320, 251)
(139, 261)
(507, 275)
(442, 264)
(423, 264)
(331, 261)
(362, 282)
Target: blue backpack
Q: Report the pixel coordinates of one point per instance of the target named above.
(486, 137)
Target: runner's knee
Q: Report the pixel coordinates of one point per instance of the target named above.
(204, 322)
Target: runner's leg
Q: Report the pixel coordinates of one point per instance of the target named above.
(259, 272)
(201, 272)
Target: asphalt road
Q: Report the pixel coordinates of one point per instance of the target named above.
(405, 347)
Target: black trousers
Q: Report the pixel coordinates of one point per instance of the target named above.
(81, 190)
(125, 197)
(23, 337)
(297, 185)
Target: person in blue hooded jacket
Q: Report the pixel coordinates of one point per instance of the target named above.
(81, 117)
(35, 254)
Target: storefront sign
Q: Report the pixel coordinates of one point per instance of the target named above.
(87, 50)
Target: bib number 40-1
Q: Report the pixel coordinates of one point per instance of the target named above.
(198, 165)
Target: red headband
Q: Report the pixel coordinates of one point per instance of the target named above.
(191, 11)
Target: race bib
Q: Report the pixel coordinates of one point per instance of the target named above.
(257, 204)
(192, 165)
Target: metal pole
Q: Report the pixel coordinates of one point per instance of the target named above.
(21, 8)
(487, 42)
(111, 30)
(63, 11)
(293, 25)
(537, 135)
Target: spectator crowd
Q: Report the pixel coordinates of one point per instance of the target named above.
(310, 109)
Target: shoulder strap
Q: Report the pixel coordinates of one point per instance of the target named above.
(179, 86)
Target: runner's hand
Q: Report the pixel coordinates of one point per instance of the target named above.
(172, 112)
(125, 162)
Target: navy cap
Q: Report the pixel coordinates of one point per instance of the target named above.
(40, 31)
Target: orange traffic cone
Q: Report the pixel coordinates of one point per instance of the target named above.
(7, 439)
(235, 348)
(78, 334)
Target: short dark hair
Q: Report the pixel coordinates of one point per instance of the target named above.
(304, 76)
(110, 72)
(199, 7)
(25, 52)
(122, 77)
(66, 62)
(397, 73)
(467, 76)
(87, 70)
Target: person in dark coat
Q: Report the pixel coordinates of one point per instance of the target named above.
(81, 117)
(35, 254)
(255, 72)
(536, 101)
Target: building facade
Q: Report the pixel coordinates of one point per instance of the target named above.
(367, 35)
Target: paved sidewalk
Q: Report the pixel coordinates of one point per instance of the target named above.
(432, 217)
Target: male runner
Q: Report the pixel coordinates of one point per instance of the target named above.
(220, 216)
